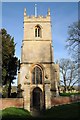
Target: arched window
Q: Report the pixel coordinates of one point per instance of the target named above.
(37, 75)
(37, 31)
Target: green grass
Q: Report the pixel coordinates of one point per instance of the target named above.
(13, 113)
(71, 111)
(64, 111)
(69, 94)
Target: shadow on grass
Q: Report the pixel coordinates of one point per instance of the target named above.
(62, 112)
(38, 118)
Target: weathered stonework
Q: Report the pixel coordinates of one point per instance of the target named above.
(37, 63)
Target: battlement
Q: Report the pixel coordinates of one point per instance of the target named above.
(36, 17)
(33, 16)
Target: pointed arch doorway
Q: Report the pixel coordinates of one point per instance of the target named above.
(37, 98)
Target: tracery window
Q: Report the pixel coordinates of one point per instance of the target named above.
(37, 31)
(37, 75)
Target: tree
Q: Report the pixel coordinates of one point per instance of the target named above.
(73, 44)
(73, 41)
(69, 74)
(9, 61)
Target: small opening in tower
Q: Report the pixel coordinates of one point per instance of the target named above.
(37, 31)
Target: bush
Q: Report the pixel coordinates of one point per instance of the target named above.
(5, 91)
(13, 95)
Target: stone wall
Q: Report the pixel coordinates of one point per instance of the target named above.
(11, 102)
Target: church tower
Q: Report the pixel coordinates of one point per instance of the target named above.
(38, 74)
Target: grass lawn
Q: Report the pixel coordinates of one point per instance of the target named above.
(64, 111)
(13, 113)
(69, 94)
(61, 112)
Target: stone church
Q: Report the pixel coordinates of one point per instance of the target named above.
(38, 74)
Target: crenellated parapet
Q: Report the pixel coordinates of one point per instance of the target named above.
(36, 18)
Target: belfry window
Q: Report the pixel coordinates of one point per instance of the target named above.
(37, 31)
(37, 75)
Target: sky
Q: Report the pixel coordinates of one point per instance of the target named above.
(63, 14)
(40, 0)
